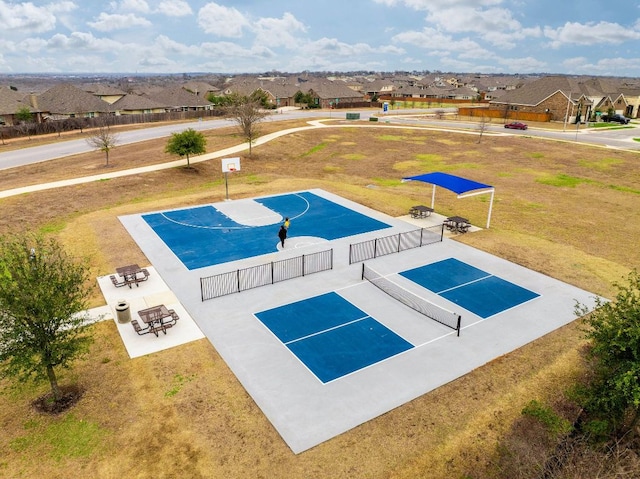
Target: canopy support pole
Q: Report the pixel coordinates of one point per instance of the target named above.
(492, 191)
(433, 196)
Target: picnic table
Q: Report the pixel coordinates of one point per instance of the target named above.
(457, 224)
(156, 318)
(420, 211)
(130, 274)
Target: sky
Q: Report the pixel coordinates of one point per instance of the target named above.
(586, 37)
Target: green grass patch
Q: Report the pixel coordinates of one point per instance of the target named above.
(315, 149)
(536, 156)
(387, 182)
(354, 156)
(67, 438)
(561, 180)
(552, 422)
(636, 139)
(53, 228)
(600, 165)
(332, 169)
(624, 189)
(392, 138)
(178, 382)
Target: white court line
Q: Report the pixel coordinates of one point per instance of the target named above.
(458, 285)
(327, 330)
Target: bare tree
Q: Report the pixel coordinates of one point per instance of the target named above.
(482, 126)
(104, 140)
(247, 115)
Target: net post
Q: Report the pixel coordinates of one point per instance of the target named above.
(421, 236)
(331, 259)
(375, 248)
(238, 279)
(303, 265)
(399, 238)
(362, 276)
(458, 326)
(350, 254)
(201, 290)
(442, 232)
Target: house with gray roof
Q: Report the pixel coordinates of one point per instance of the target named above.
(178, 99)
(138, 105)
(67, 101)
(11, 102)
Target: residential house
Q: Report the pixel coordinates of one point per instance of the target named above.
(67, 101)
(176, 98)
(104, 92)
(138, 105)
(11, 102)
(560, 97)
(328, 94)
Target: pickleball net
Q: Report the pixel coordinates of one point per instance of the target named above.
(415, 302)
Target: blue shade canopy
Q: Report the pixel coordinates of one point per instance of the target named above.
(453, 183)
(457, 184)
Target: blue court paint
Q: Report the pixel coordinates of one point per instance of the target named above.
(443, 275)
(202, 236)
(489, 296)
(312, 215)
(469, 287)
(331, 336)
(347, 349)
(303, 318)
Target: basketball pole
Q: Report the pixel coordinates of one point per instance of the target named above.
(226, 183)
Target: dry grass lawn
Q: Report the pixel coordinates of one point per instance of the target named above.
(562, 209)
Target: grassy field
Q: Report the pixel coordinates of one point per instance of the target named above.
(563, 209)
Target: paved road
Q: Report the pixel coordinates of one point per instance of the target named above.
(620, 138)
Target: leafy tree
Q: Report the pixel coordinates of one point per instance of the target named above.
(42, 293)
(247, 115)
(24, 118)
(185, 143)
(103, 140)
(225, 100)
(612, 397)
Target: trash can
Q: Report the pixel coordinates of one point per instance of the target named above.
(122, 311)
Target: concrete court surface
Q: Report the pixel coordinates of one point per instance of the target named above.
(307, 412)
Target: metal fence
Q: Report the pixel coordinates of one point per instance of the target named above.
(264, 274)
(395, 243)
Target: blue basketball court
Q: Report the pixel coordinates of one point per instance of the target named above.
(331, 336)
(469, 287)
(205, 236)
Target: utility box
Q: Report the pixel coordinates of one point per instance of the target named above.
(353, 116)
(373, 118)
(123, 312)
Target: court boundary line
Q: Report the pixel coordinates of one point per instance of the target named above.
(456, 286)
(317, 333)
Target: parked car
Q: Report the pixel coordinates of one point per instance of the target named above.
(616, 118)
(516, 125)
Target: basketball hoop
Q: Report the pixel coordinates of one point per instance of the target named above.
(232, 169)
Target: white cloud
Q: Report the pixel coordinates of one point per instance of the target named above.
(523, 65)
(80, 41)
(274, 32)
(474, 20)
(221, 21)
(590, 34)
(108, 22)
(434, 5)
(432, 39)
(233, 50)
(26, 17)
(331, 47)
(174, 8)
(605, 66)
(167, 45)
(130, 6)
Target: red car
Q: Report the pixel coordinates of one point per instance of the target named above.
(516, 126)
